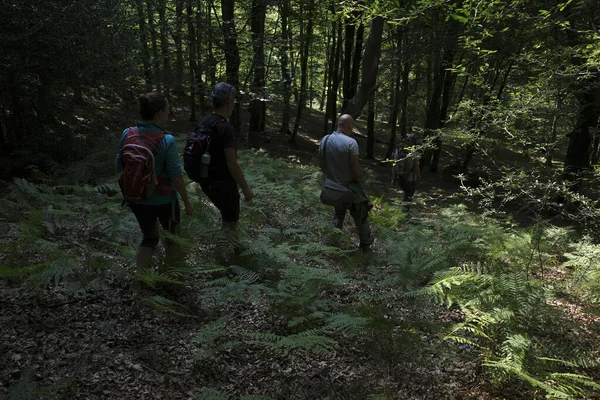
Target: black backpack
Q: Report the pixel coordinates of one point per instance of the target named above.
(197, 145)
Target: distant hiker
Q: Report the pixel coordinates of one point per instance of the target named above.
(210, 158)
(406, 170)
(151, 175)
(342, 187)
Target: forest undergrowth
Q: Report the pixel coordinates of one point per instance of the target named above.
(454, 306)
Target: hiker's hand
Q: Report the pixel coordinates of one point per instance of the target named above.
(248, 195)
(189, 208)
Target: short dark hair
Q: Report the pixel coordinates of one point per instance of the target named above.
(150, 104)
(221, 94)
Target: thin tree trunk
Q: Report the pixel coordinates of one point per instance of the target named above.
(156, 73)
(348, 48)
(178, 46)
(396, 101)
(232, 57)
(330, 73)
(326, 79)
(371, 126)
(164, 46)
(284, 11)
(335, 83)
(144, 42)
(304, 71)
(257, 104)
(580, 139)
(370, 68)
(191, 38)
(360, 32)
(554, 130)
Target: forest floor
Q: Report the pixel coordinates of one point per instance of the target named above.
(104, 344)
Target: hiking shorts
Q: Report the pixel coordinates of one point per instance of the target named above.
(226, 197)
(167, 214)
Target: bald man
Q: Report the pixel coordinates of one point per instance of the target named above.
(340, 165)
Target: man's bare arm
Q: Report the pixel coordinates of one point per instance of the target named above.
(236, 173)
(356, 176)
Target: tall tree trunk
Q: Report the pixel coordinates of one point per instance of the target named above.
(326, 79)
(442, 83)
(370, 68)
(156, 73)
(348, 48)
(232, 57)
(304, 71)
(371, 126)
(257, 104)
(178, 46)
(146, 62)
(191, 39)
(284, 11)
(360, 32)
(164, 46)
(580, 139)
(396, 100)
(554, 129)
(335, 82)
(330, 72)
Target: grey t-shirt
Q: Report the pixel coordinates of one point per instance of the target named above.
(339, 149)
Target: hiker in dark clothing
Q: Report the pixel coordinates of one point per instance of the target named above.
(406, 170)
(224, 172)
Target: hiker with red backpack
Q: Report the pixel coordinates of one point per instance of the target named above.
(151, 175)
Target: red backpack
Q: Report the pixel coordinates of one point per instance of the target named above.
(138, 179)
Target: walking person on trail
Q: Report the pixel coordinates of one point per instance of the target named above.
(406, 170)
(151, 176)
(222, 173)
(342, 188)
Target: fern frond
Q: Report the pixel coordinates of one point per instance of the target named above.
(163, 304)
(153, 278)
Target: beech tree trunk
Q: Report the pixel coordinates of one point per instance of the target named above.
(232, 57)
(347, 67)
(284, 10)
(164, 46)
(257, 104)
(371, 126)
(146, 61)
(304, 72)
(191, 39)
(580, 139)
(360, 32)
(370, 68)
(156, 73)
(177, 38)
